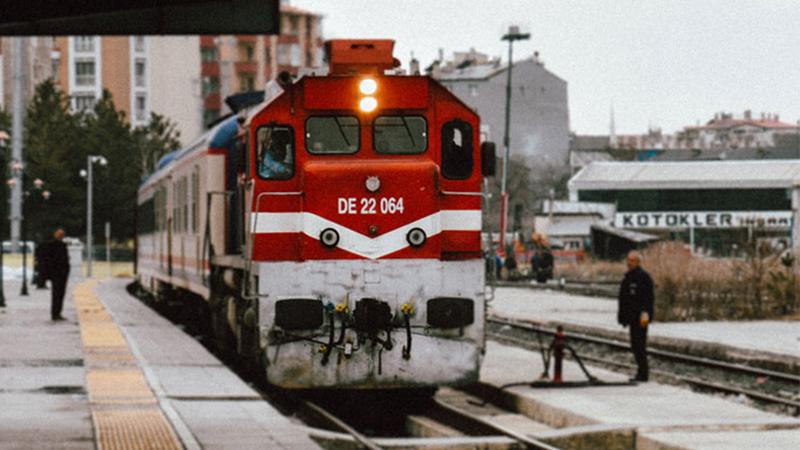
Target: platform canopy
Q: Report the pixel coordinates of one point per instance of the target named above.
(125, 17)
(739, 174)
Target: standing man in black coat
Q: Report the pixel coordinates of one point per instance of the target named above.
(55, 267)
(636, 299)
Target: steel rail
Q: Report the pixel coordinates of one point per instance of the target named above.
(681, 378)
(360, 438)
(789, 377)
(528, 441)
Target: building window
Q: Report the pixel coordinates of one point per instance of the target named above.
(246, 53)
(84, 43)
(141, 108)
(284, 57)
(210, 85)
(138, 43)
(139, 73)
(473, 90)
(55, 64)
(84, 73)
(295, 55)
(247, 83)
(210, 116)
(209, 54)
(84, 102)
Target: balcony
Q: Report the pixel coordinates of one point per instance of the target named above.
(213, 101)
(209, 69)
(246, 67)
(247, 38)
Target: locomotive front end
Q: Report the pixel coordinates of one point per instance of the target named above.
(366, 250)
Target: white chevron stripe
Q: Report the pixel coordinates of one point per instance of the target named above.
(357, 243)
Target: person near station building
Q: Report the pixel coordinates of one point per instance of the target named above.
(542, 261)
(55, 267)
(636, 298)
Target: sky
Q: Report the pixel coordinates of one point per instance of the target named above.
(667, 63)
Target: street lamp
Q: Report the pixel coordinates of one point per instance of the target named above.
(18, 170)
(3, 139)
(512, 35)
(90, 160)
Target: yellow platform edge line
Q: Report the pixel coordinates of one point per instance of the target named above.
(125, 411)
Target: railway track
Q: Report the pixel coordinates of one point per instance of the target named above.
(332, 412)
(767, 387)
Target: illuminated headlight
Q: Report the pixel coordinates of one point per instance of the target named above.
(329, 237)
(416, 237)
(368, 104)
(368, 86)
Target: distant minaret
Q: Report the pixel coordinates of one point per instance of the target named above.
(612, 131)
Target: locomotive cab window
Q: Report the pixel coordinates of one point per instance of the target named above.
(275, 152)
(400, 134)
(457, 152)
(332, 135)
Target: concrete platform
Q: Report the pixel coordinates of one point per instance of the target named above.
(775, 341)
(663, 417)
(43, 379)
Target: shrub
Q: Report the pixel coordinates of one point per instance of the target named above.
(760, 285)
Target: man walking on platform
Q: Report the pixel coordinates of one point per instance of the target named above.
(55, 267)
(636, 300)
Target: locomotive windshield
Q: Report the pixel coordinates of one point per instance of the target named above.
(275, 152)
(400, 134)
(332, 135)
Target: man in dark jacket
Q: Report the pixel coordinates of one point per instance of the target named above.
(636, 310)
(55, 267)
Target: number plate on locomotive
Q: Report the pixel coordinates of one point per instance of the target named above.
(370, 205)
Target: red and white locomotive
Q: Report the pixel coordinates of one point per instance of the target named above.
(333, 234)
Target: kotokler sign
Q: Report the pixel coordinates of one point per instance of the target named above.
(713, 219)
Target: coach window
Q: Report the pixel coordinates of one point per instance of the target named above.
(457, 150)
(332, 135)
(400, 134)
(195, 198)
(275, 152)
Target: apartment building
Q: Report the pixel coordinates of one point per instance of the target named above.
(539, 109)
(144, 74)
(241, 63)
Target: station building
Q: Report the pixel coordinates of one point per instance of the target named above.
(715, 206)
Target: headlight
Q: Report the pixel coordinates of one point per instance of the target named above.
(416, 237)
(329, 237)
(368, 86)
(368, 104)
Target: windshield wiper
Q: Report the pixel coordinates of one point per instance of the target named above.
(341, 130)
(408, 130)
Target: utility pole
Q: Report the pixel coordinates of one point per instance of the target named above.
(89, 246)
(512, 35)
(108, 249)
(19, 68)
(90, 160)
